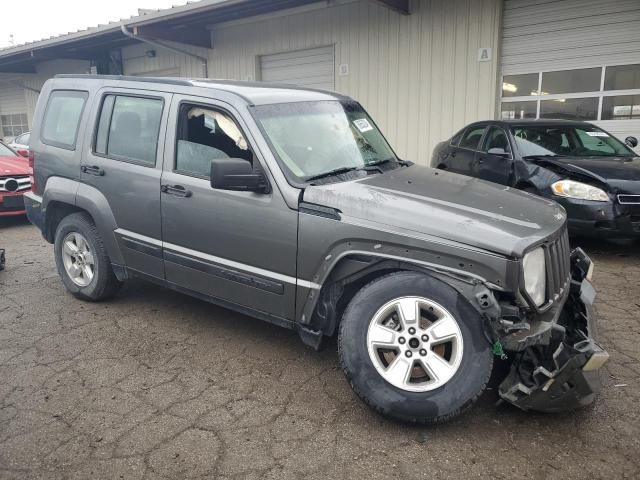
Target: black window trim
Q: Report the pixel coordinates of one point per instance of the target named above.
(480, 142)
(53, 143)
(209, 106)
(121, 158)
(485, 136)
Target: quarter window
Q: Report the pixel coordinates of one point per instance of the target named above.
(472, 137)
(62, 118)
(128, 128)
(205, 134)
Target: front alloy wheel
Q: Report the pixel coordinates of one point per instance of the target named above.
(415, 344)
(414, 349)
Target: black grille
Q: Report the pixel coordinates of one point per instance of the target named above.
(558, 266)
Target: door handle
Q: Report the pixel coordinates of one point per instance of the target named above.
(177, 190)
(92, 170)
(481, 161)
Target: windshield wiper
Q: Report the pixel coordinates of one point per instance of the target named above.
(542, 156)
(402, 163)
(331, 173)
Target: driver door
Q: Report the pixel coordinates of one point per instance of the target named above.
(494, 162)
(239, 247)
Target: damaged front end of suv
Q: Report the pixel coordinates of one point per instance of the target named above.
(556, 361)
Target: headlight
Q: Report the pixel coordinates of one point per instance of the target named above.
(535, 278)
(583, 191)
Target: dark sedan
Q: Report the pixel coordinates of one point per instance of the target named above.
(592, 174)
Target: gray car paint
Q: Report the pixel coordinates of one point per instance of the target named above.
(425, 218)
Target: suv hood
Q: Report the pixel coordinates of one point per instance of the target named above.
(446, 205)
(14, 166)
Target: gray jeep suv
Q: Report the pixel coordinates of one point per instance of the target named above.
(289, 205)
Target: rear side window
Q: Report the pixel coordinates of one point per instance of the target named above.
(62, 118)
(128, 128)
(472, 137)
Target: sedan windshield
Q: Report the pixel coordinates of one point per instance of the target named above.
(568, 141)
(6, 151)
(323, 139)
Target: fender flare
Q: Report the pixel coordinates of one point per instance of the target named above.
(344, 265)
(88, 198)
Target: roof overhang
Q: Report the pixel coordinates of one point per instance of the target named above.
(185, 24)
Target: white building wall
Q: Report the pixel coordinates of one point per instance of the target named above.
(136, 61)
(418, 75)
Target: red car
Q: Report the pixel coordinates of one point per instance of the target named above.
(15, 180)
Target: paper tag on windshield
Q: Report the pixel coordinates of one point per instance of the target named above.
(363, 125)
(598, 134)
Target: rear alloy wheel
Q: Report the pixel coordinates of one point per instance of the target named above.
(414, 349)
(82, 260)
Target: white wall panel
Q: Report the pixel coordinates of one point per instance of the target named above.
(418, 75)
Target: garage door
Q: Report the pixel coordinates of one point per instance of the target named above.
(572, 59)
(313, 68)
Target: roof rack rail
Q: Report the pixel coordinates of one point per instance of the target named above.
(129, 78)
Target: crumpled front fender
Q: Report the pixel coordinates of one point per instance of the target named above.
(565, 373)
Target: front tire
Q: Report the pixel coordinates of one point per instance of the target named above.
(82, 261)
(414, 349)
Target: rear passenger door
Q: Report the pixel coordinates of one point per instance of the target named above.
(463, 156)
(124, 162)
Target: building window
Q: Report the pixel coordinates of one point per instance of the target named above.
(570, 108)
(623, 107)
(519, 110)
(571, 81)
(622, 77)
(14, 125)
(600, 93)
(520, 85)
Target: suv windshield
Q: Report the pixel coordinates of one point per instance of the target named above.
(568, 141)
(316, 139)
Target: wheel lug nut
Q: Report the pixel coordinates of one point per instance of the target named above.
(408, 353)
(423, 352)
(401, 340)
(412, 330)
(425, 338)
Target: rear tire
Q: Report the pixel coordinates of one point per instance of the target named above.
(78, 243)
(421, 397)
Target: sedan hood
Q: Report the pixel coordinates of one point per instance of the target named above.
(622, 174)
(446, 205)
(14, 166)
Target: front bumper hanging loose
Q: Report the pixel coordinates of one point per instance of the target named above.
(563, 373)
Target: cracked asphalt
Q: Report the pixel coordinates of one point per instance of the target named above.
(155, 384)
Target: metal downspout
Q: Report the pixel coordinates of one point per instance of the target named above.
(159, 44)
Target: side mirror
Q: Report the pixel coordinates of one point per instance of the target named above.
(23, 153)
(237, 174)
(631, 142)
(499, 152)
